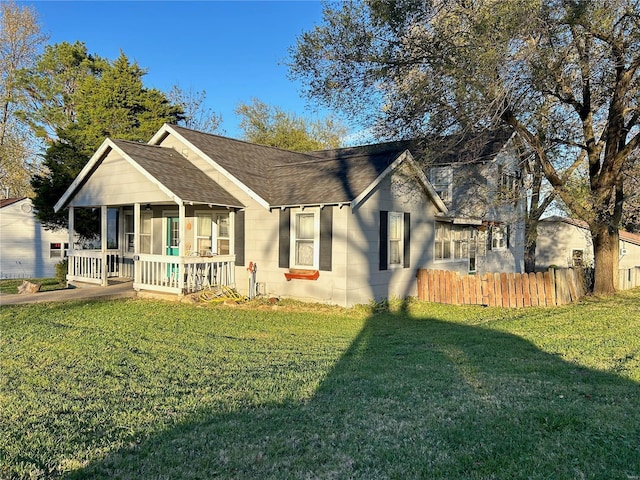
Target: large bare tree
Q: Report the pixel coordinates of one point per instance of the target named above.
(563, 74)
(20, 39)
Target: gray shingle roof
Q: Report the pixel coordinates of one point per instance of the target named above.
(285, 178)
(177, 174)
(282, 177)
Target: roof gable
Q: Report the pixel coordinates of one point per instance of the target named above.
(169, 171)
(180, 177)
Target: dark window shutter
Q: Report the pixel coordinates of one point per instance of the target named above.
(407, 240)
(508, 234)
(283, 238)
(489, 237)
(326, 237)
(384, 234)
(238, 237)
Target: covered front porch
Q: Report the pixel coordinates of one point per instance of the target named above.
(177, 249)
(163, 222)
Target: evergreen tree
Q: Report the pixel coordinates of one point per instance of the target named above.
(62, 162)
(107, 100)
(116, 104)
(51, 85)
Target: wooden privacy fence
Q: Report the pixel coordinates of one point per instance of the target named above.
(554, 287)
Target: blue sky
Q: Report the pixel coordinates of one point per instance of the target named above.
(235, 50)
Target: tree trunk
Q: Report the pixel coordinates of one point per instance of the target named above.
(605, 251)
(530, 257)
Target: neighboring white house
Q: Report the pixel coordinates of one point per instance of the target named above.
(342, 226)
(27, 250)
(566, 242)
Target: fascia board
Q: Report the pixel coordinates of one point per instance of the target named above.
(97, 157)
(358, 200)
(167, 129)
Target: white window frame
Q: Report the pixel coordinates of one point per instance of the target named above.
(316, 238)
(60, 252)
(467, 239)
(400, 218)
(198, 216)
(128, 235)
(508, 183)
(229, 237)
(213, 215)
(443, 188)
(503, 229)
(143, 215)
(579, 257)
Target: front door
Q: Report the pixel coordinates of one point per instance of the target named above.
(172, 241)
(173, 236)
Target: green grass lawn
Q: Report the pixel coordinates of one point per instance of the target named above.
(47, 284)
(142, 389)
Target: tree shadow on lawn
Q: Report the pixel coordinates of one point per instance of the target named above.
(414, 398)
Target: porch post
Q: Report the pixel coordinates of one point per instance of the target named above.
(181, 243)
(136, 242)
(72, 234)
(103, 244)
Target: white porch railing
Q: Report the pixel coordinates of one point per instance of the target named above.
(93, 266)
(179, 275)
(160, 273)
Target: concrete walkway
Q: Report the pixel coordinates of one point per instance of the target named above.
(116, 290)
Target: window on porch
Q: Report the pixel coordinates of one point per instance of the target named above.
(213, 233)
(113, 224)
(145, 232)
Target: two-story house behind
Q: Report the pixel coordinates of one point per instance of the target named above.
(480, 180)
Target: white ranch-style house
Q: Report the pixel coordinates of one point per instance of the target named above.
(345, 226)
(27, 249)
